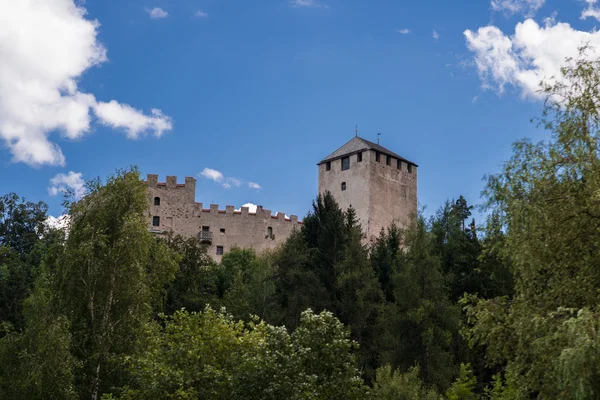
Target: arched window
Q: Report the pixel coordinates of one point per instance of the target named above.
(343, 185)
(270, 233)
(157, 201)
(155, 221)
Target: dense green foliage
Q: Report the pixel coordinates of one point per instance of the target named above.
(211, 356)
(546, 336)
(439, 309)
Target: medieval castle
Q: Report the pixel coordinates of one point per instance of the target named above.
(378, 183)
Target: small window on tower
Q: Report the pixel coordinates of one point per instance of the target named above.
(155, 221)
(359, 157)
(157, 201)
(345, 163)
(270, 233)
(328, 166)
(222, 230)
(219, 250)
(343, 185)
(399, 164)
(377, 156)
(409, 168)
(388, 161)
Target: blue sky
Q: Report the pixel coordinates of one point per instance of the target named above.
(262, 90)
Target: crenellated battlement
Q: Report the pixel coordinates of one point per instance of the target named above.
(190, 188)
(172, 208)
(171, 182)
(187, 190)
(245, 211)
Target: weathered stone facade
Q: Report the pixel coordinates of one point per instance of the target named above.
(172, 207)
(379, 184)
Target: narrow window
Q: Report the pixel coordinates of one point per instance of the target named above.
(328, 166)
(388, 161)
(219, 250)
(270, 233)
(359, 157)
(222, 230)
(157, 201)
(205, 229)
(155, 221)
(399, 165)
(345, 163)
(377, 156)
(409, 168)
(343, 185)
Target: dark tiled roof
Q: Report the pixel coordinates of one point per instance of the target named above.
(357, 144)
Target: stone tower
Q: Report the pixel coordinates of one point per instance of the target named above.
(378, 183)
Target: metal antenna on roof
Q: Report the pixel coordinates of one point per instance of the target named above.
(378, 134)
(356, 130)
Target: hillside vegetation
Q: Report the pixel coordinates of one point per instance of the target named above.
(445, 308)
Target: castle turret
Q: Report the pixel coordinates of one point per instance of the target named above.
(378, 183)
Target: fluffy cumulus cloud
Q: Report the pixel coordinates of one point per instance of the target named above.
(69, 183)
(403, 31)
(212, 174)
(435, 35)
(251, 207)
(227, 182)
(510, 7)
(201, 14)
(157, 13)
(45, 47)
(534, 53)
(132, 121)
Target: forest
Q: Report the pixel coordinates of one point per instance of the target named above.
(445, 308)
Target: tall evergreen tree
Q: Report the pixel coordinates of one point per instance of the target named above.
(427, 319)
(384, 255)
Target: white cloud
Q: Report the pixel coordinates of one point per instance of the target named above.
(251, 207)
(510, 7)
(212, 174)
(72, 182)
(404, 31)
(307, 3)
(133, 121)
(201, 14)
(532, 54)
(226, 181)
(45, 48)
(435, 35)
(62, 222)
(157, 13)
(254, 185)
(234, 181)
(591, 11)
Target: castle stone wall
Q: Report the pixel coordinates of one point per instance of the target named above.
(181, 214)
(393, 195)
(381, 194)
(357, 180)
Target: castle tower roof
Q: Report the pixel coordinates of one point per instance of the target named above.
(357, 144)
